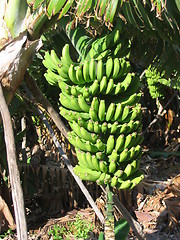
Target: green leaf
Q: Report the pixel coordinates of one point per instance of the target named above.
(54, 7)
(35, 3)
(101, 236)
(15, 16)
(178, 4)
(121, 229)
(66, 8)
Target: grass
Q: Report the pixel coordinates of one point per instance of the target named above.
(79, 229)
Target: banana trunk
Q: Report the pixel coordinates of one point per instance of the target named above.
(109, 221)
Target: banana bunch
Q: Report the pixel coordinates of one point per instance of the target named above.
(157, 83)
(100, 100)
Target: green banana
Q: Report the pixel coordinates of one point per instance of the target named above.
(118, 173)
(110, 86)
(136, 112)
(112, 166)
(124, 114)
(82, 122)
(118, 111)
(107, 179)
(128, 141)
(124, 155)
(94, 88)
(72, 74)
(93, 114)
(100, 180)
(118, 89)
(114, 127)
(72, 139)
(138, 139)
(100, 70)
(120, 143)
(103, 84)
(114, 156)
(83, 115)
(86, 174)
(136, 178)
(124, 185)
(83, 104)
(103, 166)
(87, 135)
(104, 127)
(69, 102)
(81, 144)
(90, 147)
(86, 71)
(102, 110)
(90, 125)
(109, 67)
(81, 156)
(132, 100)
(89, 160)
(110, 112)
(97, 128)
(66, 59)
(52, 77)
(135, 165)
(50, 80)
(86, 93)
(127, 81)
(48, 63)
(110, 144)
(95, 163)
(127, 171)
(124, 128)
(67, 114)
(92, 69)
(74, 91)
(76, 128)
(116, 68)
(100, 145)
(63, 72)
(114, 181)
(137, 151)
(79, 75)
(131, 153)
(95, 104)
(55, 58)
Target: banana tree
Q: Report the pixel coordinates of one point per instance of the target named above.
(23, 22)
(99, 98)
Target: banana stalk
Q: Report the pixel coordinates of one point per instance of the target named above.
(109, 221)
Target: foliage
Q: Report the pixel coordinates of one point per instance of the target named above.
(9, 233)
(78, 228)
(157, 84)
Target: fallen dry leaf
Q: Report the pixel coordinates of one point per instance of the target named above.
(144, 217)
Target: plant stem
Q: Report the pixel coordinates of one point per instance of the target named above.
(109, 221)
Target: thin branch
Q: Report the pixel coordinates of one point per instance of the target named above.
(17, 193)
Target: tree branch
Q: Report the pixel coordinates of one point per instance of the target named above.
(17, 193)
